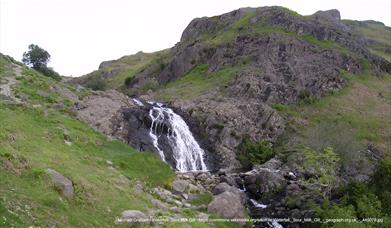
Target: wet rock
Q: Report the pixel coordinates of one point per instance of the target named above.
(61, 183)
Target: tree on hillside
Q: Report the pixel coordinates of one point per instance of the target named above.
(38, 58)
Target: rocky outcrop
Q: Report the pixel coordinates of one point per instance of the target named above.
(293, 58)
(103, 111)
(226, 121)
(331, 15)
(280, 56)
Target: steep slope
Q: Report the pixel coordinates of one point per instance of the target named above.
(375, 35)
(314, 87)
(56, 171)
(229, 70)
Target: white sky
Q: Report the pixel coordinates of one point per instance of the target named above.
(79, 34)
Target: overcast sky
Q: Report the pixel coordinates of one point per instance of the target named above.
(79, 34)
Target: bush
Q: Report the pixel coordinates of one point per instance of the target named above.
(306, 97)
(382, 184)
(250, 153)
(127, 81)
(47, 71)
(96, 83)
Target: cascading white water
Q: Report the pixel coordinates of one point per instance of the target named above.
(153, 132)
(187, 153)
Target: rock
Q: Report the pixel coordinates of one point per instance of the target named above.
(230, 180)
(193, 189)
(202, 177)
(220, 188)
(123, 180)
(179, 186)
(131, 216)
(203, 217)
(163, 194)
(108, 162)
(138, 188)
(293, 189)
(264, 180)
(270, 181)
(224, 187)
(175, 209)
(332, 15)
(61, 183)
(103, 111)
(185, 196)
(227, 205)
(159, 204)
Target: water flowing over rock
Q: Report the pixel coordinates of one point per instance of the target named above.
(172, 138)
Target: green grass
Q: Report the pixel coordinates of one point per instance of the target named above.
(346, 120)
(33, 140)
(202, 199)
(36, 137)
(196, 82)
(39, 144)
(325, 44)
(126, 67)
(380, 34)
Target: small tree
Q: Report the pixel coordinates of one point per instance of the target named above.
(36, 57)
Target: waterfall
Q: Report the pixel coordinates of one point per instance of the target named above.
(186, 152)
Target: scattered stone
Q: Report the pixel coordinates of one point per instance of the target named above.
(179, 186)
(185, 196)
(108, 162)
(123, 180)
(203, 217)
(62, 184)
(175, 209)
(12, 137)
(159, 204)
(131, 216)
(193, 189)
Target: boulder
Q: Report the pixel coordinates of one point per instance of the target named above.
(270, 181)
(224, 187)
(159, 204)
(61, 183)
(220, 188)
(227, 205)
(179, 186)
(130, 216)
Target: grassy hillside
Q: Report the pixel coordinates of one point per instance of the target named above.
(355, 116)
(196, 83)
(112, 74)
(40, 133)
(378, 35)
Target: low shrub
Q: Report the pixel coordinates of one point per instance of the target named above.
(251, 153)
